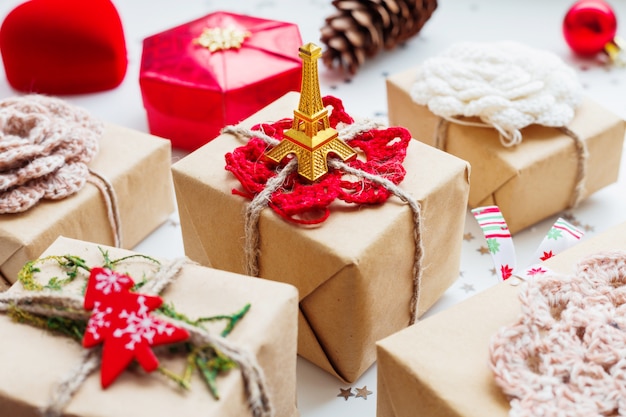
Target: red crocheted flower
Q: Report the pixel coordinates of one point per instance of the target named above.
(381, 153)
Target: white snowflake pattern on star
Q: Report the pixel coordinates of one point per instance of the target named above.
(140, 325)
(98, 320)
(109, 282)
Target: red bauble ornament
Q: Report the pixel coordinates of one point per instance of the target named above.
(589, 26)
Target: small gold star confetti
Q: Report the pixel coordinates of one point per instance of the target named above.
(484, 250)
(467, 287)
(363, 392)
(216, 39)
(588, 228)
(468, 236)
(345, 393)
(493, 271)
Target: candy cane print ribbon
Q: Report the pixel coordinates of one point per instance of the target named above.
(561, 236)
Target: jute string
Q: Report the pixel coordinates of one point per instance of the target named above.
(564, 355)
(111, 203)
(262, 200)
(71, 306)
(582, 154)
(45, 146)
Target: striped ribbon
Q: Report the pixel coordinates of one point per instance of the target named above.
(561, 236)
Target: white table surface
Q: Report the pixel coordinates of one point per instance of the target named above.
(534, 22)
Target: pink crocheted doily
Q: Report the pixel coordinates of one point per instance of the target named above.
(45, 145)
(566, 354)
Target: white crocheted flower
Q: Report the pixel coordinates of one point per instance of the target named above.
(506, 84)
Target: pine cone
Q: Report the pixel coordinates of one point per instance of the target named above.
(361, 28)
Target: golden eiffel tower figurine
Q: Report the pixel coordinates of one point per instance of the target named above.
(311, 138)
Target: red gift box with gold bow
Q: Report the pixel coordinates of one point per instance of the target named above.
(217, 70)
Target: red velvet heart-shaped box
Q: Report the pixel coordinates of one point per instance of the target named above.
(63, 46)
(192, 86)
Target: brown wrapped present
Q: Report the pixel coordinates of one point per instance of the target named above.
(532, 180)
(440, 366)
(354, 272)
(38, 360)
(137, 166)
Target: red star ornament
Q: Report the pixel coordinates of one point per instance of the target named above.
(121, 320)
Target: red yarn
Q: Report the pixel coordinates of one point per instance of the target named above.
(305, 202)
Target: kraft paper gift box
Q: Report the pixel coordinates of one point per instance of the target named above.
(36, 359)
(138, 167)
(354, 271)
(530, 181)
(191, 91)
(440, 366)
